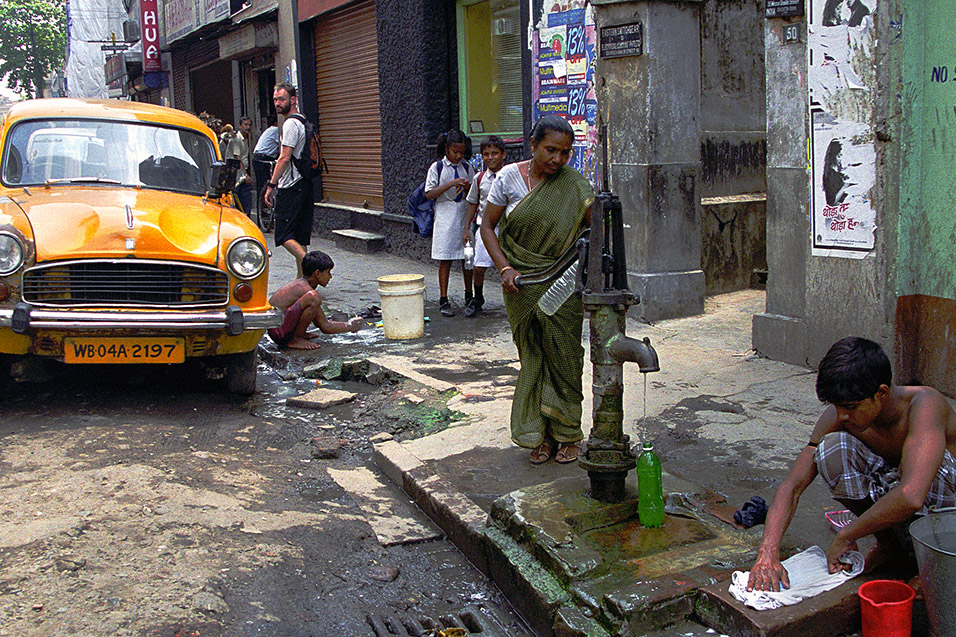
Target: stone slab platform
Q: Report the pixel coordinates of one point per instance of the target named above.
(628, 578)
(575, 567)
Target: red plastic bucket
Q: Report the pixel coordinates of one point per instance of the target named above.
(887, 608)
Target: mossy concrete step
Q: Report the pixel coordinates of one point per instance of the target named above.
(359, 240)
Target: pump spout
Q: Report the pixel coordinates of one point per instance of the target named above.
(624, 349)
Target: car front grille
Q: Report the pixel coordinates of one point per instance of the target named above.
(119, 283)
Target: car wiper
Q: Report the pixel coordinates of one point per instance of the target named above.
(82, 180)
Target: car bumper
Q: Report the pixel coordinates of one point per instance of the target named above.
(24, 317)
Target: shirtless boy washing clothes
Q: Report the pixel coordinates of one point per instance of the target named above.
(302, 305)
(887, 452)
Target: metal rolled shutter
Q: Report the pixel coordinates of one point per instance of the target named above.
(350, 125)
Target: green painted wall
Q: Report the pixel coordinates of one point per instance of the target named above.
(927, 221)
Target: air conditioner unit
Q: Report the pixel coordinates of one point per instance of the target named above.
(131, 31)
(505, 26)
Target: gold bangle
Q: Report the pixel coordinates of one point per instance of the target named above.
(501, 272)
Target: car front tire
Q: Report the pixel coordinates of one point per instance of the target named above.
(241, 373)
(6, 380)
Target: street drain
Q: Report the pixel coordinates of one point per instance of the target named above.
(469, 621)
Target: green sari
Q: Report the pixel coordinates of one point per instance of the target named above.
(541, 228)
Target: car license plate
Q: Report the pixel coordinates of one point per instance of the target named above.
(124, 350)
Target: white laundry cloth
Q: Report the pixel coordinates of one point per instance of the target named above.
(808, 577)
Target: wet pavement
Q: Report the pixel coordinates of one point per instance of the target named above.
(176, 508)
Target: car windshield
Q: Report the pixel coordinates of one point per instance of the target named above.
(58, 151)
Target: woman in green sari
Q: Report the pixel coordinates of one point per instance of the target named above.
(539, 208)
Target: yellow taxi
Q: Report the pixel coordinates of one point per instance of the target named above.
(120, 242)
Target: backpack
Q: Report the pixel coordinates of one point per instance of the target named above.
(310, 163)
(422, 209)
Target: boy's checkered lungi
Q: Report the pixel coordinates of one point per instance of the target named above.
(854, 472)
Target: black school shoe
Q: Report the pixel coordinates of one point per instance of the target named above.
(472, 308)
(444, 306)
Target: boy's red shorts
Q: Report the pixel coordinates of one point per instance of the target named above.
(284, 333)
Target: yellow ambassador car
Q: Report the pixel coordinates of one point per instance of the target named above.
(119, 242)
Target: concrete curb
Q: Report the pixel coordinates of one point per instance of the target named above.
(840, 613)
(532, 592)
(461, 519)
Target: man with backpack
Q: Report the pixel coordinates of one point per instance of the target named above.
(287, 190)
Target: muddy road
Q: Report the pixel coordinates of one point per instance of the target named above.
(151, 502)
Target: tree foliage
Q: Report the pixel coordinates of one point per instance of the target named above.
(32, 42)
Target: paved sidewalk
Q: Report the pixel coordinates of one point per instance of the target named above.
(354, 283)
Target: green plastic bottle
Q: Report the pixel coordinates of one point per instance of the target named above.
(650, 503)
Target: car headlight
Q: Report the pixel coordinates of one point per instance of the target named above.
(246, 258)
(11, 254)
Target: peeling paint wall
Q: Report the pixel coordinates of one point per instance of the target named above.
(926, 272)
(927, 224)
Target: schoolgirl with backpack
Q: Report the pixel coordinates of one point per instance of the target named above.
(446, 184)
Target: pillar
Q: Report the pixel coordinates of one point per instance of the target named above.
(650, 105)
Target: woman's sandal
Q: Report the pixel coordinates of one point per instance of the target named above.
(567, 452)
(542, 453)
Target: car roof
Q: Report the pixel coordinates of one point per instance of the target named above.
(59, 107)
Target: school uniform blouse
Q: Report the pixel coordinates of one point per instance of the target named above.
(509, 188)
(449, 214)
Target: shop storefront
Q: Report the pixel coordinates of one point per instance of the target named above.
(347, 100)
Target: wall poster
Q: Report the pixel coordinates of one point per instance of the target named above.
(842, 153)
(563, 47)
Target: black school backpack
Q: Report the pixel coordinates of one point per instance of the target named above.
(310, 163)
(422, 209)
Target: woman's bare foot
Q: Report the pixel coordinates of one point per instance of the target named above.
(302, 343)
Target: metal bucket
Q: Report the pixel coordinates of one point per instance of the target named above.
(934, 537)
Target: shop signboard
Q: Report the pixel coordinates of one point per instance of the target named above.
(185, 16)
(180, 16)
(622, 40)
(149, 19)
(784, 8)
(115, 68)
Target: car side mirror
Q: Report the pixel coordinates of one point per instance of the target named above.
(222, 176)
